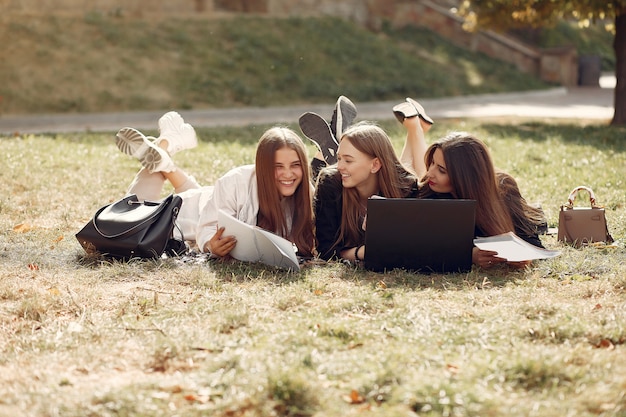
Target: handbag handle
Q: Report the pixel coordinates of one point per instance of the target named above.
(130, 200)
(572, 196)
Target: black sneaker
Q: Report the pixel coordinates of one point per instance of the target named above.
(410, 108)
(420, 111)
(343, 116)
(404, 110)
(318, 131)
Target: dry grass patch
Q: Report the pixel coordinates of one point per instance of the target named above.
(86, 336)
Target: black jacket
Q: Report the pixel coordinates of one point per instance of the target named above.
(328, 208)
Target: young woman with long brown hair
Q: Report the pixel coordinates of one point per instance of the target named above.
(460, 166)
(275, 193)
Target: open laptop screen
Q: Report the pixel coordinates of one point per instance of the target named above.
(422, 235)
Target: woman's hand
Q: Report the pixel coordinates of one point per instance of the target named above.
(355, 254)
(416, 123)
(221, 245)
(485, 258)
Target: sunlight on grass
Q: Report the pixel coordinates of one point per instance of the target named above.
(474, 77)
(87, 336)
(122, 63)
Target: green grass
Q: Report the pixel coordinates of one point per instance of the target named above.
(115, 63)
(83, 336)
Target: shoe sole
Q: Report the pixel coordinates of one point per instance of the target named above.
(151, 159)
(404, 110)
(318, 131)
(420, 111)
(134, 143)
(344, 117)
(131, 142)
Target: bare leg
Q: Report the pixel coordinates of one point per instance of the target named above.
(415, 147)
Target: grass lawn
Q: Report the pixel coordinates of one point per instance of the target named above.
(194, 337)
(99, 62)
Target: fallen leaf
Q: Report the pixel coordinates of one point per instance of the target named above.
(318, 292)
(58, 239)
(354, 345)
(22, 228)
(381, 284)
(606, 344)
(354, 398)
(452, 368)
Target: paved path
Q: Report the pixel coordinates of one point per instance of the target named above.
(579, 102)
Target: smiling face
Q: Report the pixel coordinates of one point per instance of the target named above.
(357, 169)
(288, 171)
(437, 174)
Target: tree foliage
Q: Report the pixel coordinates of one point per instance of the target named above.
(506, 14)
(509, 14)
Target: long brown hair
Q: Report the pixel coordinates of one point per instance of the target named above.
(472, 177)
(525, 217)
(271, 214)
(394, 181)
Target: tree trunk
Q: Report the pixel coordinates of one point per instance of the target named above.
(619, 45)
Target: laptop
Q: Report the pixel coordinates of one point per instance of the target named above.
(421, 235)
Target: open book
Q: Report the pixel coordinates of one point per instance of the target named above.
(257, 245)
(513, 249)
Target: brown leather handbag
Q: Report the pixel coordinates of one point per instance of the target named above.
(580, 226)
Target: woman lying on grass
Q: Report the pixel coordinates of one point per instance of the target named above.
(275, 193)
(366, 165)
(459, 166)
(366, 160)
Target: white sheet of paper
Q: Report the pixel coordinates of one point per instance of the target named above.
(257, 245)
(513, 249)
(275, 250)
(246, 249)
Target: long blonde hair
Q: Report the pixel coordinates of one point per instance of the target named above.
(271, 215)
(394, 181)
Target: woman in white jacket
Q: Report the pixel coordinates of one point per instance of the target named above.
(275, 193)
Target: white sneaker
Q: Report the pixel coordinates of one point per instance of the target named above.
(179, 135)
(157, 159)
(132, 142)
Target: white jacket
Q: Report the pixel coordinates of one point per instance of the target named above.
(236, 193)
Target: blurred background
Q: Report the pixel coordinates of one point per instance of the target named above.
(76, 56)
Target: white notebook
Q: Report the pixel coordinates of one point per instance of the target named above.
(257, 245)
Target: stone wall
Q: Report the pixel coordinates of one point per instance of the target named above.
(555, 65)
(559, 66)
(79, 7)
